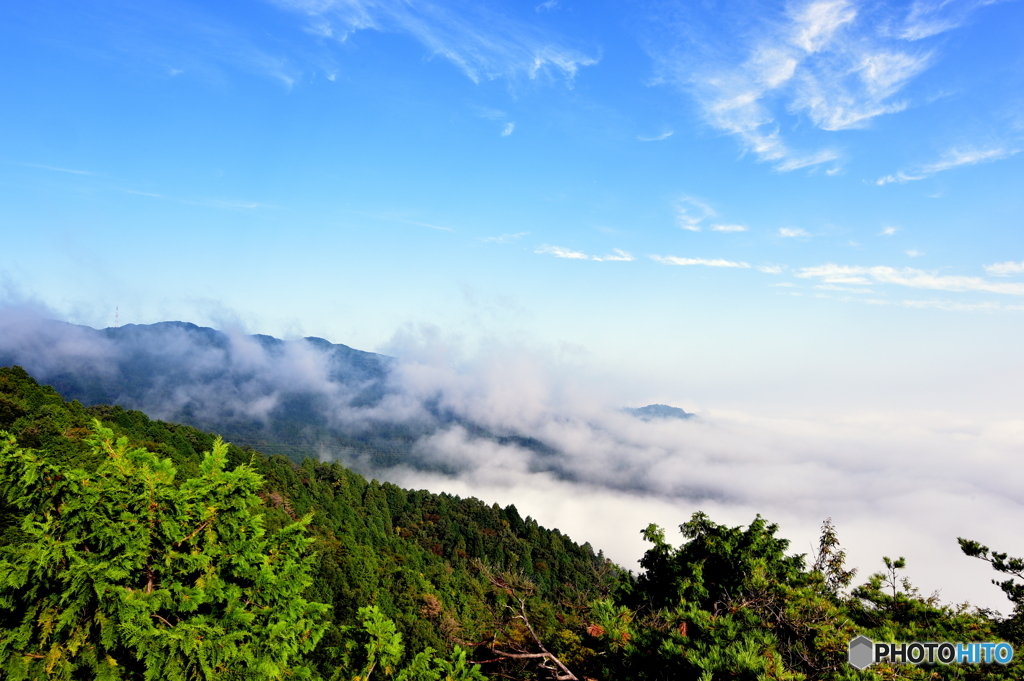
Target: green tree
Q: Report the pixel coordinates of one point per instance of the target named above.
(1012, 627)
(375, 651)
(125, 573)
(730, 603)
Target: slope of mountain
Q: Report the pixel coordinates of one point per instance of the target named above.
(729, 603)
(298, 398)
(424, 559)
(285, 397)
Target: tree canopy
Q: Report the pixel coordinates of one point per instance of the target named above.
(136, 549)
(121, 573)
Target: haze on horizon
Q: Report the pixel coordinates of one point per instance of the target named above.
(800, 219)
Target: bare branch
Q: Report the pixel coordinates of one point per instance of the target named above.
(545, 654)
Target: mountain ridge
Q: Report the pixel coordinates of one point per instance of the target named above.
(301, 398)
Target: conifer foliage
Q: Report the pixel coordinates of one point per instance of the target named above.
(120, 563)
(125, 573)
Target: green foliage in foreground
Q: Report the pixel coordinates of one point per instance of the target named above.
(376, 649)
(126, 554)
(413, 555)
(122, 573)
(731, 604)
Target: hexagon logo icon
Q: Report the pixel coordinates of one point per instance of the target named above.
(862, 653)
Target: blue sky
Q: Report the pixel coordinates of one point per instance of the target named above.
(714, 201)
(778, 209)
(603, 176)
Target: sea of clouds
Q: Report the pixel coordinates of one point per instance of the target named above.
(902, 483)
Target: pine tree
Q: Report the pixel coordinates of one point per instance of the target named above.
(125, 573)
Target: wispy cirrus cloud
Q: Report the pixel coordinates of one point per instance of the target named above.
(931, 17)
(508, 129)
(192, 40)
(837, 63)
(504, 238)
(954, 158)
(967, 157)
(656, 138)
(230, 204)
(793, 232)
(560, 252)
(484, 44)
(690, 212)
(707, 262)
(617, 255)
(58, 170)
(907, 276)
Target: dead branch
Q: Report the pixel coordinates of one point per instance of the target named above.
(559, 672)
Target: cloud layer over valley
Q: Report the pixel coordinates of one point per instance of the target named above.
(511, 425)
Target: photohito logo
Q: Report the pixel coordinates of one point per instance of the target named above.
(864, 652)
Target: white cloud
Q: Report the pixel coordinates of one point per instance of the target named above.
(546, 6)
(509, 127)
(792, 232)
(795, 161)
(900, 177)
(690, 212)
(613, 474)
(888, 231)
(946, 473)
(836, 62)
(910, 277)
(716, 262)
(1002, 269)
(954, 158)
(728, 228)
(771, 269)
(931, 17)
(846, 289)
(560, 252)
(656, 138)
(505, 238)
(914, 253)
(618, 255)
(815, 24)
(481, 43)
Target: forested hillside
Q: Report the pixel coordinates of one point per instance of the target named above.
(355, 579)
(423, 559)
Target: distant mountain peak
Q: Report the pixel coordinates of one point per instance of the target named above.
(657, 411)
